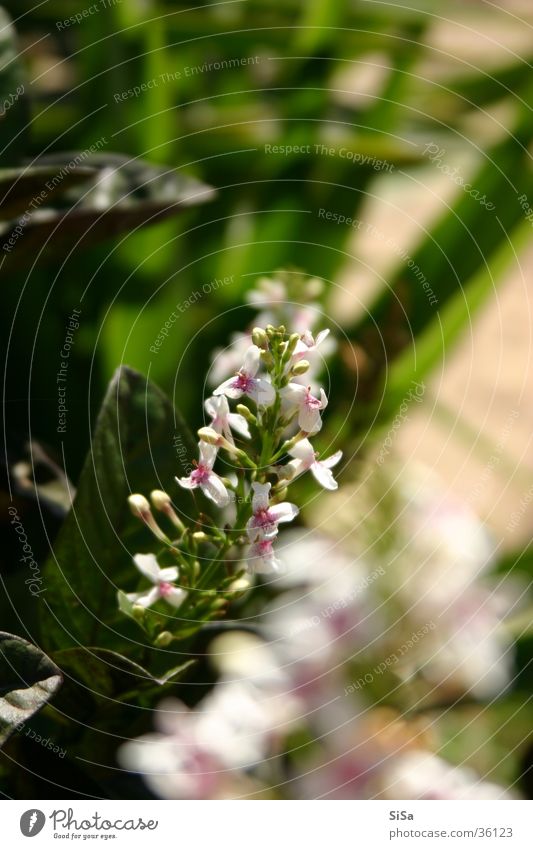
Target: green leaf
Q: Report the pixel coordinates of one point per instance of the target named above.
(28, 679)
(133, 450)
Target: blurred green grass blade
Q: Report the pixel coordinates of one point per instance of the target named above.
(466, 236)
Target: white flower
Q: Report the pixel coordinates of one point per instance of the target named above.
(227, 360)
(422, 775)
(162, 579)
(200, 753)
(223, 421)
(299, 398)
(245, 381)
(263, 524)
(305, 458)
(204, 477)
(308, 344)
(262, 558)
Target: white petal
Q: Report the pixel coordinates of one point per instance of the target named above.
(148, 566)
(303, 450)
(321, 336)
(214, 489)
(175, 596)
(331, 461)
(211, 405)
(284, 512)
(144, 599)
(324, 476)
(309, 419)
(252, 359)
(266, 565)
(228, 388)
(292, 395)
(169, 574)
(239, 424)
(208, 454)
(186, 483)
(263, 392)
(260, 496)
(323, 400)
(294, 468)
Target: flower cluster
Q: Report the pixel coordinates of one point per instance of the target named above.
(293, 678)
(265, 443)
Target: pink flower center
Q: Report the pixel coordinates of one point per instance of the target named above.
(243, 382)
(165, 588)
(262, 518)
(311, 402)
(264, 547)
(200, 474)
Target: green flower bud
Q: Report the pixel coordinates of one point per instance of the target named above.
(246, 413)
(259, 337)
(300, 368)
(163, 639)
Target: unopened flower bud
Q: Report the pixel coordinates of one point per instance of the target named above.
(300, 368)
(267, 359)
(141, 509)
(163, 639)
(138, 612)
(259, 337)
(199, 536)
(163, 502)
(294, 338)
(218, 603)
(246, 413)
(139, 506)
(239, 587)
(210, 435)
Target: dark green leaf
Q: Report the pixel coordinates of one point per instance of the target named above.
(133, 450)
(110, 674)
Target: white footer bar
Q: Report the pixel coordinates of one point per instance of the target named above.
(269, 824)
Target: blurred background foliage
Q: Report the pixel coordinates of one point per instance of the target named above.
(364, 76)
(377, 79)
